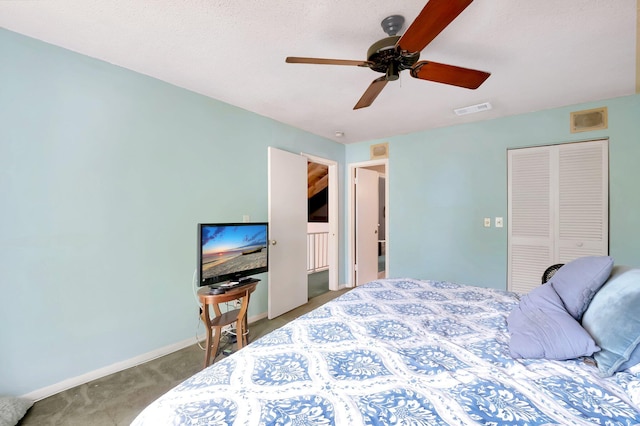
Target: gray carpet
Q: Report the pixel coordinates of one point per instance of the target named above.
(118, 398)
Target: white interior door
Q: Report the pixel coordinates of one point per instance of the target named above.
(583, 200)
(366, 226)
(530, 217)
(287, 186)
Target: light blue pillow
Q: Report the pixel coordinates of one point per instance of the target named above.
(578, 281)
(634, 359)
(540, 327)
(613, 320)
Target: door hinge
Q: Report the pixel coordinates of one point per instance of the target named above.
(355, 267)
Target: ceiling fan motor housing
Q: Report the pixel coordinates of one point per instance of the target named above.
(386, 58)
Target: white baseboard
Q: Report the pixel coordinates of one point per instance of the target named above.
(257, 317)
(47, 391)
(72, 382)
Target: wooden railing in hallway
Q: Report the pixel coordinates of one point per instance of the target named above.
(317, 251)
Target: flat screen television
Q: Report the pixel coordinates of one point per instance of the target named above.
(231, 251)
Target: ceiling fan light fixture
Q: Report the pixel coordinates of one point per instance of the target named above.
(472, 109)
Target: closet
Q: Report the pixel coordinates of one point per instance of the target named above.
(558, 208)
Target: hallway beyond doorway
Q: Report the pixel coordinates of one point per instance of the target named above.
(318, 283)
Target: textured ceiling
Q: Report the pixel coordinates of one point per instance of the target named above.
(542, 54)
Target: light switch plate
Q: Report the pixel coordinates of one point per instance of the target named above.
(487, 222)
(499, 222)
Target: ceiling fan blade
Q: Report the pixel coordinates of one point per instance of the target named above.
(434, 18)
(371, 93)
(323, 61)
(449, 74)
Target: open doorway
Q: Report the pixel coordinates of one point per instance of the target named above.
(382, 226)
(322, 226)
(368, 221)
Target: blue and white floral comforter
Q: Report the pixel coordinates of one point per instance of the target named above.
(398, 352)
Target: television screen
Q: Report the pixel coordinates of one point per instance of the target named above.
(230, 251)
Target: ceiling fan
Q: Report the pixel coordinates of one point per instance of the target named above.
(397, 53)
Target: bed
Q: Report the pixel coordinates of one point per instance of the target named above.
(399, 352)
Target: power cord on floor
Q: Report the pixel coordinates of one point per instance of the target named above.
(224, 337)
(194, 287)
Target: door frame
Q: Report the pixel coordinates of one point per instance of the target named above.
(351, 248)
(334, 224)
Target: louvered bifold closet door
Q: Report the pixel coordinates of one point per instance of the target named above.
(583, 194)
(529, 217)
(558, 208)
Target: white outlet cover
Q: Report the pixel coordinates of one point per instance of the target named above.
(499, 222)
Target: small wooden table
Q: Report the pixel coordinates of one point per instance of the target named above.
(239, 316)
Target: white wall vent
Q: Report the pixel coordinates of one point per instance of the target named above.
(485, 106)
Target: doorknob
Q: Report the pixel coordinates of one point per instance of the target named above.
(274, 242)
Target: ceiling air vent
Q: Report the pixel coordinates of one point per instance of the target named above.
(486, 106)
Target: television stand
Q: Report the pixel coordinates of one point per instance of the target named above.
(215, 323)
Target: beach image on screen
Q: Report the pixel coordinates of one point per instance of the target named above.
(229, 249)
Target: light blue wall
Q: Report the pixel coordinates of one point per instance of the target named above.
(104, 174)
(443, 182)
